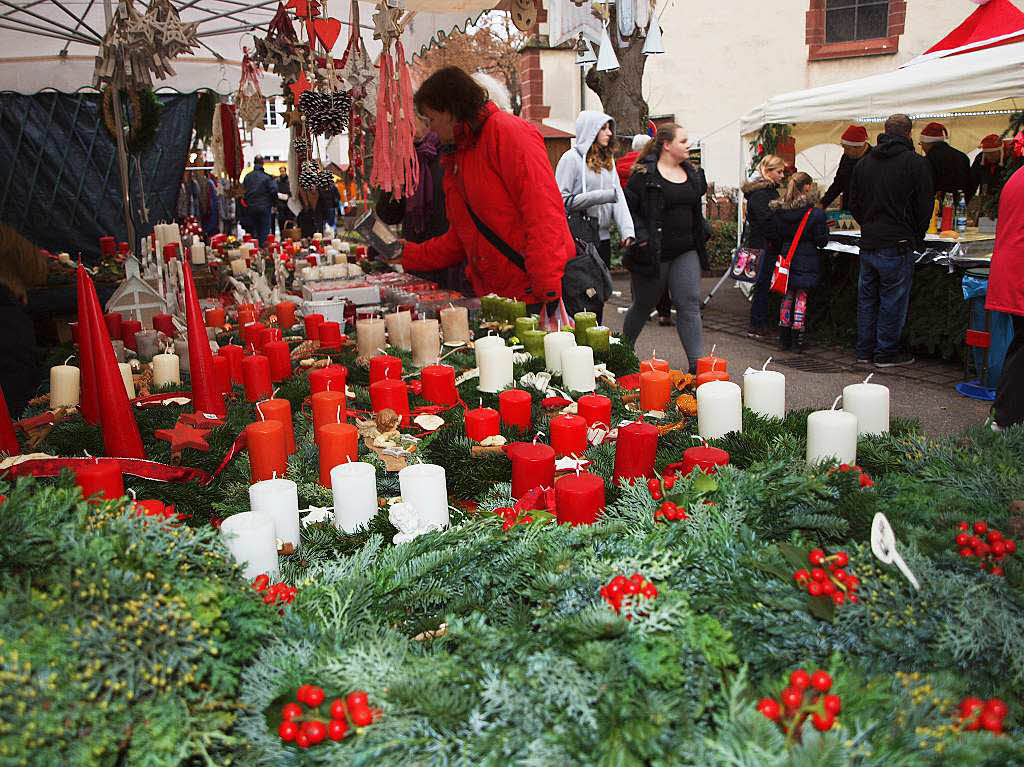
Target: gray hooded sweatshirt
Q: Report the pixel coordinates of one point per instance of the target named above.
(599, 194)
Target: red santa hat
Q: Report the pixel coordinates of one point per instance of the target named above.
(991, 143)
(854, 135)
(933, 132)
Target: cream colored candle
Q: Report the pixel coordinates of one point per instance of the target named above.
(578, 368)
(495, 363)
(399, 327)
(554, 344)
(831, 434)
(65, 385)
(455, 324)
(870, 403)
(370, 336)
(719, 409)
(166, 370)
(126, 376)
(198, 250)
(238, 266)
(486, 342)
(426, 342)
(764, 391)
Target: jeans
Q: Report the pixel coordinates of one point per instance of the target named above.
(1009, 405)
(259, 220)
(761, 307)
(883, 294)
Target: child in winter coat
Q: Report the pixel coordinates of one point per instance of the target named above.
(788, 211)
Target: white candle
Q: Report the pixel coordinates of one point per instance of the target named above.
(126, 376)
(495, 363)
(354, 486)
(831, 434)
(554, 344)
(181, 349)
(426, 342)
(198, 250)
(238, 266)
(455, 324)
(578, 368)
(65, 386)
(719, 409)
(278, 499)
(764, 392)
(423, 487)
(370, 336)
(870, 403)
(486, 342)
(166, 370)
(176, 235)
(399, 327)
(250, 539)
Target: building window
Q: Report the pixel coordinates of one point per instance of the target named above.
(274, 118)
(847, 20)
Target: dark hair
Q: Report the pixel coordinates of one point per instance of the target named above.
(795, 186)
(899, 125)
(665, 134)
(453, 91)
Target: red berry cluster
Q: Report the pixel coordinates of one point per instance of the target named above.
(307, 729)
(991, 549)
(279, 592)
(827, 578)
(669, 512)
(804, 697)
(620, 587)
(658, 487)
(512, 517)
(978, 714)
(865, 480)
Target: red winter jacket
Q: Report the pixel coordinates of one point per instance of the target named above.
(624, 166)
(1006, 277)
(503, 168)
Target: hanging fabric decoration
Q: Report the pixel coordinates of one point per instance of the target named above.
(626, 15)
(644, 12)
(252, 107)
(227, 144)
(357, 73)
(606, 61)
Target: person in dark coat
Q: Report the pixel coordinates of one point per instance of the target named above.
(855, 146)
(891, 197)
(988, 167)
(951, 169)
(21, 266)
(284, 214)
(260, 197)
(759, 231)
(789, 210)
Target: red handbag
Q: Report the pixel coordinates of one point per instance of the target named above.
(780, 277)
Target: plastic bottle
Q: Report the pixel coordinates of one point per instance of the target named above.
(936, 215)
(961, 213)
(947, 211)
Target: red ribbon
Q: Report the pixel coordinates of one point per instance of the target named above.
(161, 472)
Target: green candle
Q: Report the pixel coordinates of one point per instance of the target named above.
(516, 309)
(525, 323)
(533, 340)
(491, 307)
(597, 338)
(583, 321)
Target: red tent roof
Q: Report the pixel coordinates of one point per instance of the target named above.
(996, 22)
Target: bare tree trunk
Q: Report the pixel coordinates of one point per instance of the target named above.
(621, 91)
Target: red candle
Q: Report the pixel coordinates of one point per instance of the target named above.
(74, 332)
(170, 251)
(516, 407)
(313, 323)
(222, 374)
(482, 422)
(655, 389)
(568, 435)
(270, 334)
(330, 335)
(103, 479)
(330, 378)
(279, 410)
(215, 318)
(439, 384)
(108, 246)
(579, 498)
(595, 408)
(328, 407)
(533, 465)
(233, 354)
(150, 508)
(252, 334)
(635, 449)
(128, 330)
(256, 377)
(164, 324)
(268, 450)
(386, 366)
(391, 394)
(285, 314)
(8, 439)
(114, 321)
(339, 443)
(705, 458)
(712, 375)
(246, 316)
(653, 364)
(279, 358)
(709, 363)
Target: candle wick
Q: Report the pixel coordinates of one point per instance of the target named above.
(836, 401)
(339, 414)
(262, 417)
(869, 377)
(713, 347)
(765, 366)
(131, 492)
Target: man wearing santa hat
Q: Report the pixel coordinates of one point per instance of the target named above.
(855, 146)
(987, 168)
(951, 168)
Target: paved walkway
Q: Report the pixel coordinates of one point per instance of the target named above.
(923, 390)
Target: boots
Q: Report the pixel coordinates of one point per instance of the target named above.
(798, 341)
(785, 338)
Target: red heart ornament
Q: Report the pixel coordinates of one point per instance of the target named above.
(326, 31)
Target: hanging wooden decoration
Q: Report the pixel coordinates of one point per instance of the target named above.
(252, 107)
(280, 51)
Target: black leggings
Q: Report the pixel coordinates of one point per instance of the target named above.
(1008, 407)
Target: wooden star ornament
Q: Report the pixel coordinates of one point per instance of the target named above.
(183, 436)
(299, 87)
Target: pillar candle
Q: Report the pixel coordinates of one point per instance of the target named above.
(147, 343)
(128, 330)
(279, 359)
(399, 329)
(330, 336)
(114, 321)
(870, 403)
(533, 341)
(486, 342)
(516, 408)
(312, 323)
(568, 435)
(246, 316)
(599, 338)
(181, 349)
(215, 318)
(270, 334)
(426, 343)
(654, 363)
(65, 386)
(533, 465)
(103, 479)
(710, 362)
(482, 422)
(554, 344)
(655, 390)
(578, 368)
(339, 443)
(515, 309)
(579, 498)
(391, 394)
(330, 378)
(238, 266)
(354, 487)
(126, 376)
(831, 434)
(711, 375)
(496, 368)
(279, 410)
(278, 499)
(285, 312)
(583, 321)
(370, 337)
(198, 253)
(250, 539)
(489, 306)
(233, 354)
(256, 378)
(252, 335)
(439, 384)
(164, 323)
(385, 366)
(222, 374)
(268, 451)
(166, 370)
(595, 408)
(705, 458)
(635, 450)
(455, 324)
(523, 324)
(719, 409)
(328, 407)
(764, 392)
(424, 486)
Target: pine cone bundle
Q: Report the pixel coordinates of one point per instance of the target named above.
(309, 176)
(326, 113)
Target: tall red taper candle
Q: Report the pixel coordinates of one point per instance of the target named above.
(206, 397)
(90, 399)
(635, 450)
(8, 439)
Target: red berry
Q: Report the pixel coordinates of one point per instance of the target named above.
(287, 731)
(816, 557)
(649, 591)
(269, 598)
(841, 559)
(866, 481)
(998, 549)
(966, 552)
(980, 527)
(994, 535)
(828, 588)
(838, 598)
(963, 526)
(821, 681)
(261, 582)
(656, 495)
(791, 697)
(840, 575)
(300, 694)
(832, 704)
(991, 722)
(336, 729)
(337, 709)
(314, 695)
(302, 740)
(997, 707)
(962, 539)
(998, 571)
(638, 579)
(667, 507)
(315, 730)
(801, 575)
(357, 699)
(814, 589)
(654, 485)
(1010, 546)
(822, 723)
(669, 480)
(291, 711)
(819, 575)
(361, 715)
(769, 707)
(852, 598)
(800, 679)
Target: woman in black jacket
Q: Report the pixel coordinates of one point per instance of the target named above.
(759, 232)
(787, 212)
(663, 195)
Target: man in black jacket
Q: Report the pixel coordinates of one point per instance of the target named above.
(951, 168)
(855, 146)
(891, 197)
(260, 197)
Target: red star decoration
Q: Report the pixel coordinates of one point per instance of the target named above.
(183, 436)
(304, 9)
(299, 87)
(199, 421)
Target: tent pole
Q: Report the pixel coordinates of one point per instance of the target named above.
(122, 150)
(739, 195)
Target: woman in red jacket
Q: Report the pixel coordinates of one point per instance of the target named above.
(505, 213)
